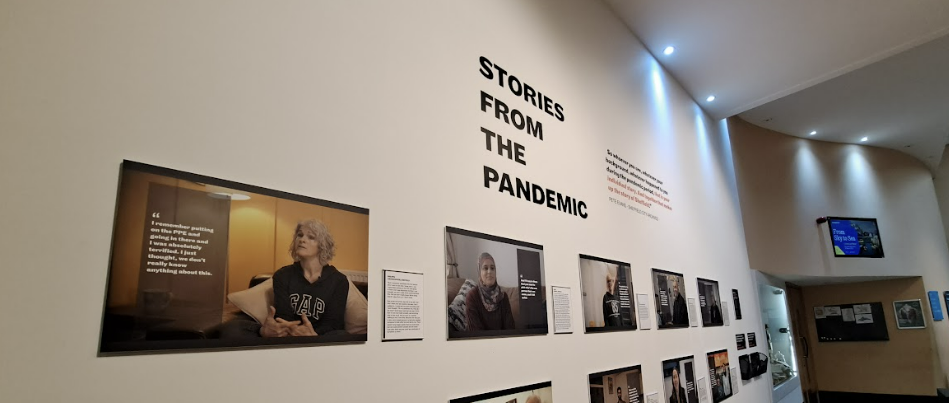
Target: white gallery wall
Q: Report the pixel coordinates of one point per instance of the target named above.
(374, 104)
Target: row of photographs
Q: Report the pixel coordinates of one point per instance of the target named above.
(495, 287)
(625, 385)
(203, 263)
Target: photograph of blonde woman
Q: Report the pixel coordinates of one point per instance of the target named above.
(310, 294)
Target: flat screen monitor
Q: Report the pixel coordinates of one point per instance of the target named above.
(855, 237)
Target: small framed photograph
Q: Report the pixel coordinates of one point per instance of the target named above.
(909, 314)
(710, 303)
(671, 309)
(607, 288)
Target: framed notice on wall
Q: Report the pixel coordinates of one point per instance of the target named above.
(909, 314)
(402, 305)
(293, 268)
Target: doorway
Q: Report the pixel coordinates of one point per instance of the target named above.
(795, 299)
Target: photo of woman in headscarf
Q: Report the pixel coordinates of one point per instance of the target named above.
(494, 287)
(486, 305)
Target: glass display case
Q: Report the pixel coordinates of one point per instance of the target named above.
(774, 310)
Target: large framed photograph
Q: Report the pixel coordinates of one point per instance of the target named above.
(536, 393)
(719, 375)
(607, 295)
(203, 263)
(671, 308)
(678, 380)
(623, 385)
(494, 286)
(709, 303)
(909, 314)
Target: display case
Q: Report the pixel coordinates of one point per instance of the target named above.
(774, 309)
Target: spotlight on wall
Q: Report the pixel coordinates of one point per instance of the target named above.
(710, 98)
(669, 50)
(813, 132)
(863, 140)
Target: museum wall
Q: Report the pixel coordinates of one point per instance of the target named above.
(787, 182)
(372, 104)
(907, 364)
(941, 182)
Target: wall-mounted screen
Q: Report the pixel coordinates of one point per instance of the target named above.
(199, 262)
(494, 286)
(855, 237)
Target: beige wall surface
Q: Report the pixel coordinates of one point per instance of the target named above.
(787, 182)
(907, 364)
(369, 103)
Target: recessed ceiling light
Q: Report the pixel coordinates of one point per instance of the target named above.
(813, 132)
(710, 98)
(668, 50)
(864, 139)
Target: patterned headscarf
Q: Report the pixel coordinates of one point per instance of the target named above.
(490, 295)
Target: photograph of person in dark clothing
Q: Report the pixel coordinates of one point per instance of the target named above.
(710, 303)
(719, 375)
(494, 286)
(309, 295)
(680, 312)
(611, 315)
(626, 383)
(671, 308)
(678, 392)
(486, 305)
(607, 295)
(205, 263)
(678, 379)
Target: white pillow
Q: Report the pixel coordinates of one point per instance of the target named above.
(357, 311)
(254, 301)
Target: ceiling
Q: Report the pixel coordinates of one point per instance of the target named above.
(844, 68)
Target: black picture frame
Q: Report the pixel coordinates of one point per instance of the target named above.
(528, 262)
(138, 328)
(596, 380)
(710, 303)
(719, 377)
(685, 367)
(626, 316)
(502, 393)
(674, 313)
